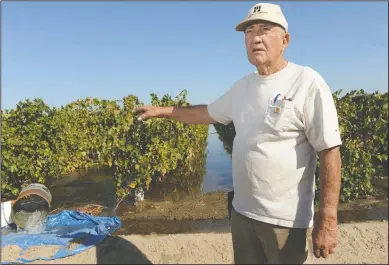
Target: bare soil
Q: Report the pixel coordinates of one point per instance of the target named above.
(196, 229)
(360, 243)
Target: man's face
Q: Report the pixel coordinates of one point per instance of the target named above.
(265, 42)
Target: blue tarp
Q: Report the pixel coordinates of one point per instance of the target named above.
(63, 229)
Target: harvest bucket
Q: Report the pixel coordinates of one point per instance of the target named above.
(36, 189)
(34, 197)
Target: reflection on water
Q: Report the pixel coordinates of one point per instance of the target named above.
(361, 215)
(99, 188)
(219, 172)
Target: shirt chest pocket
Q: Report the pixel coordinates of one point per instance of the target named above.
(280, 117)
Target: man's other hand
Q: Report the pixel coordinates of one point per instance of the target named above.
(324, 237)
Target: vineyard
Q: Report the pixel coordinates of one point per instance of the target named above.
(40, 143)
(363, 120)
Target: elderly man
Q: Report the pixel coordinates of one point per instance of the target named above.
(284, 114)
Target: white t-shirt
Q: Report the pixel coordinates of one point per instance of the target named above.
(281, 122)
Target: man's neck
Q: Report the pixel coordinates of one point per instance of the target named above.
(270, 69)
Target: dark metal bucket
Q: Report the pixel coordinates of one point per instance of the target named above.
(36, 189)
(38, 192)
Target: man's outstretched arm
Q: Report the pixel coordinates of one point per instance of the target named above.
(197, 114)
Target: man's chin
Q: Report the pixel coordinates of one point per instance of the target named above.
(258, 64)
(258, 61)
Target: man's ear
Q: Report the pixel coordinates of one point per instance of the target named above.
(285, 41)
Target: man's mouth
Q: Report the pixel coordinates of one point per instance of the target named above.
(257, 50)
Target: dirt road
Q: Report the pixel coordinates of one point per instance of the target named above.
(360, 243)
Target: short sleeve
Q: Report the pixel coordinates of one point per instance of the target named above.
(221, 109)
(321, 118)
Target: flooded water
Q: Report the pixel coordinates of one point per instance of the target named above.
(160, 227)
(361, 215)
(202, 211)
(219, 171)
(218, 177)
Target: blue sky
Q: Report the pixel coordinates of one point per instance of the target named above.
(61, 51)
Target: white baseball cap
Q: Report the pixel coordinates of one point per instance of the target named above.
(264, 12)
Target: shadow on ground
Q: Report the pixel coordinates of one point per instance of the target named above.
(116, 250)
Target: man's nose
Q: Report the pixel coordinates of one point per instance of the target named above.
(257, 39)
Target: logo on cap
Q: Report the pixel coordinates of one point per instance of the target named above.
(257, 9)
